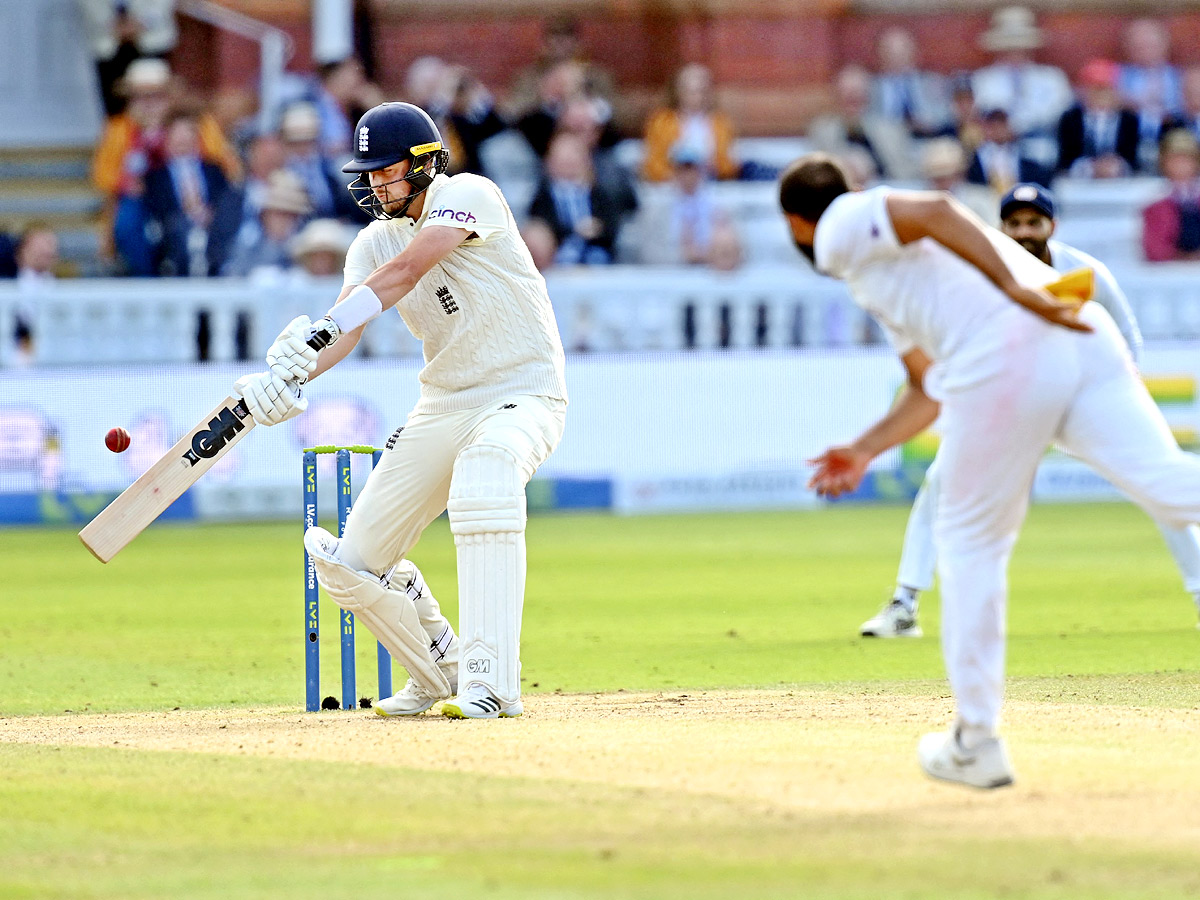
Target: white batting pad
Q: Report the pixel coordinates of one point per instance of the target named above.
(487, 516)
(406, 577)
(389, 614)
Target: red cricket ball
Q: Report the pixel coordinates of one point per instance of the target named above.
(117, 440)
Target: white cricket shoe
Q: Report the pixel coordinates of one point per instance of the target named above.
(942, 756)
(477, 702)
(410, 700)
(413, 699)
(894, 620)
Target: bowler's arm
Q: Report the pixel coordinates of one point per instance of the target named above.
(937, 215)
(841, 469)
(912, 413)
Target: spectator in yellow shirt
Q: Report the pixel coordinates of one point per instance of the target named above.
(690, 119)
(131, 145)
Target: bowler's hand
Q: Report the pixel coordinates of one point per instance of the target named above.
(1041, 302)
(839, 471)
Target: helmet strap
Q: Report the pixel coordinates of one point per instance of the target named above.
(364, 193)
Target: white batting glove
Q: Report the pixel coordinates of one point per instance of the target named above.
(290, 357)
(269, 398)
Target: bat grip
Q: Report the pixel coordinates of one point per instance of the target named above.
(321, 337)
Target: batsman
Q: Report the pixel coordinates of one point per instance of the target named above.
(446, 254)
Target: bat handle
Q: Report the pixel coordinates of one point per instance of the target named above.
(325, 332)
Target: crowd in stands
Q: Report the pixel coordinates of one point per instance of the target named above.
(203, 190)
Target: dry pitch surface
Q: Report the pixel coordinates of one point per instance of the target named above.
(1084, 771)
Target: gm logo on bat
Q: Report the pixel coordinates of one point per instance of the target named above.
(223, 428)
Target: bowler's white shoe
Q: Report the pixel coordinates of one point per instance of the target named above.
(410, 700)
(894, 620)
(477, 702)
(942, 756)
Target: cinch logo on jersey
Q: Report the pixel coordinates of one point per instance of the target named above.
(208, 443)
(444, 213)
(362, 139)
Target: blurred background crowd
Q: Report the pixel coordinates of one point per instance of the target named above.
(245, 180)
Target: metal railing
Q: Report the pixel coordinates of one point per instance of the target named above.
(113, 321)
(605, 309)
(275, 48)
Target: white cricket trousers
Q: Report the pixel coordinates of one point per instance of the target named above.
(1055, 386)
(409, 487)
(918, 558)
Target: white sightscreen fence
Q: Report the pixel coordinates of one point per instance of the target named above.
(665, 430)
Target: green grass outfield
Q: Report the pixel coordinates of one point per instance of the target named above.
(210, 618)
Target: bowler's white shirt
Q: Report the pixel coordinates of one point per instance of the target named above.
(923, 295)
(482, 314)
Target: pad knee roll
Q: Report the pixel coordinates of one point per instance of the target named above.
(487, 492)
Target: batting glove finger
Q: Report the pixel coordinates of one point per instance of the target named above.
(289, 356)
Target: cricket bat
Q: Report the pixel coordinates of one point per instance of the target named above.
(163, 483)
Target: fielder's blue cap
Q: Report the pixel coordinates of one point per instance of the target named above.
(1032, 195)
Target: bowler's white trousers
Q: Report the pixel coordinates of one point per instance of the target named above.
(1047, 385)
(918, 558)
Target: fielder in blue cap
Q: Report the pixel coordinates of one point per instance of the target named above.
(1032, 196)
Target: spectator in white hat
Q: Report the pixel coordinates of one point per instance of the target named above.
(320, 248)
(121, 31)
(300, 130)
(1032, 94)
(284, 208)
(132, 144)
(944, 165)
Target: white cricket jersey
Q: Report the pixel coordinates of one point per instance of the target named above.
(922, 294)
(1064, 258)
(482, 314)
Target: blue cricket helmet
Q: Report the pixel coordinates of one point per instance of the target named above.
(385, 135)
